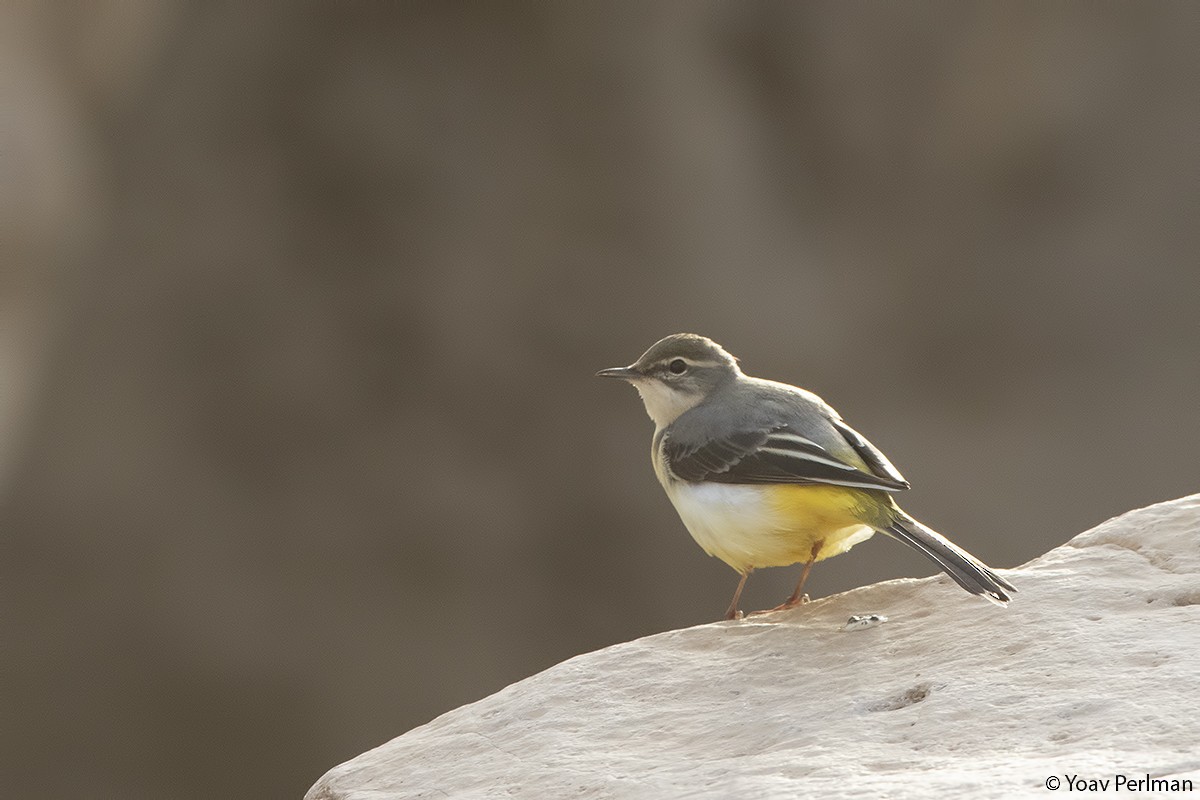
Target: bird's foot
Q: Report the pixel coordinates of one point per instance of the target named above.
(786, 605)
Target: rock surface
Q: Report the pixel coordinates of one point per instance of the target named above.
(1091, 672)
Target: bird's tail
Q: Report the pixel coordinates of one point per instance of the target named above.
(966, 570)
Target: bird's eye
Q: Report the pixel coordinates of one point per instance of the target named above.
(678, 366)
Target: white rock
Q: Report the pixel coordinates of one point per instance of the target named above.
(1092, 671)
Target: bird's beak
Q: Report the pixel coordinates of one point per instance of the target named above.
(624, 373)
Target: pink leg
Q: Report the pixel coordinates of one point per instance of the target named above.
(798, 596)
(732, 613)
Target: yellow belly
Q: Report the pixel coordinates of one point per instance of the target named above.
(772, 526)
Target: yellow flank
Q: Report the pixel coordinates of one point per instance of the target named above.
(837, 514)
(773, 525)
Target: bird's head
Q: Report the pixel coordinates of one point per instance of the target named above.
(676, 374)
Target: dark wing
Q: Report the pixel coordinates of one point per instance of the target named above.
(778, 455)
(876, 461)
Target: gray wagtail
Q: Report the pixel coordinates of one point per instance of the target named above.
(765, 474)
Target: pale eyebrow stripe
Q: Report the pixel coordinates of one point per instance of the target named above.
(689, 361)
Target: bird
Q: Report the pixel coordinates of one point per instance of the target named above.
(765, 474)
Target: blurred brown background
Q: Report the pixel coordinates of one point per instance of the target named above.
(299, 440)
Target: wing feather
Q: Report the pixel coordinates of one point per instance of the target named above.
(876, 460)
(778, 455)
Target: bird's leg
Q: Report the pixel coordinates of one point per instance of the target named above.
(798, 596)
(732, 613)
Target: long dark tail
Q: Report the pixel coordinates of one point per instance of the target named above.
(966, 570)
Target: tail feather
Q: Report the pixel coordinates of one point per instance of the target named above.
(966, 570)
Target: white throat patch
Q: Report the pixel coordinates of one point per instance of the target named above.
(664, 403)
